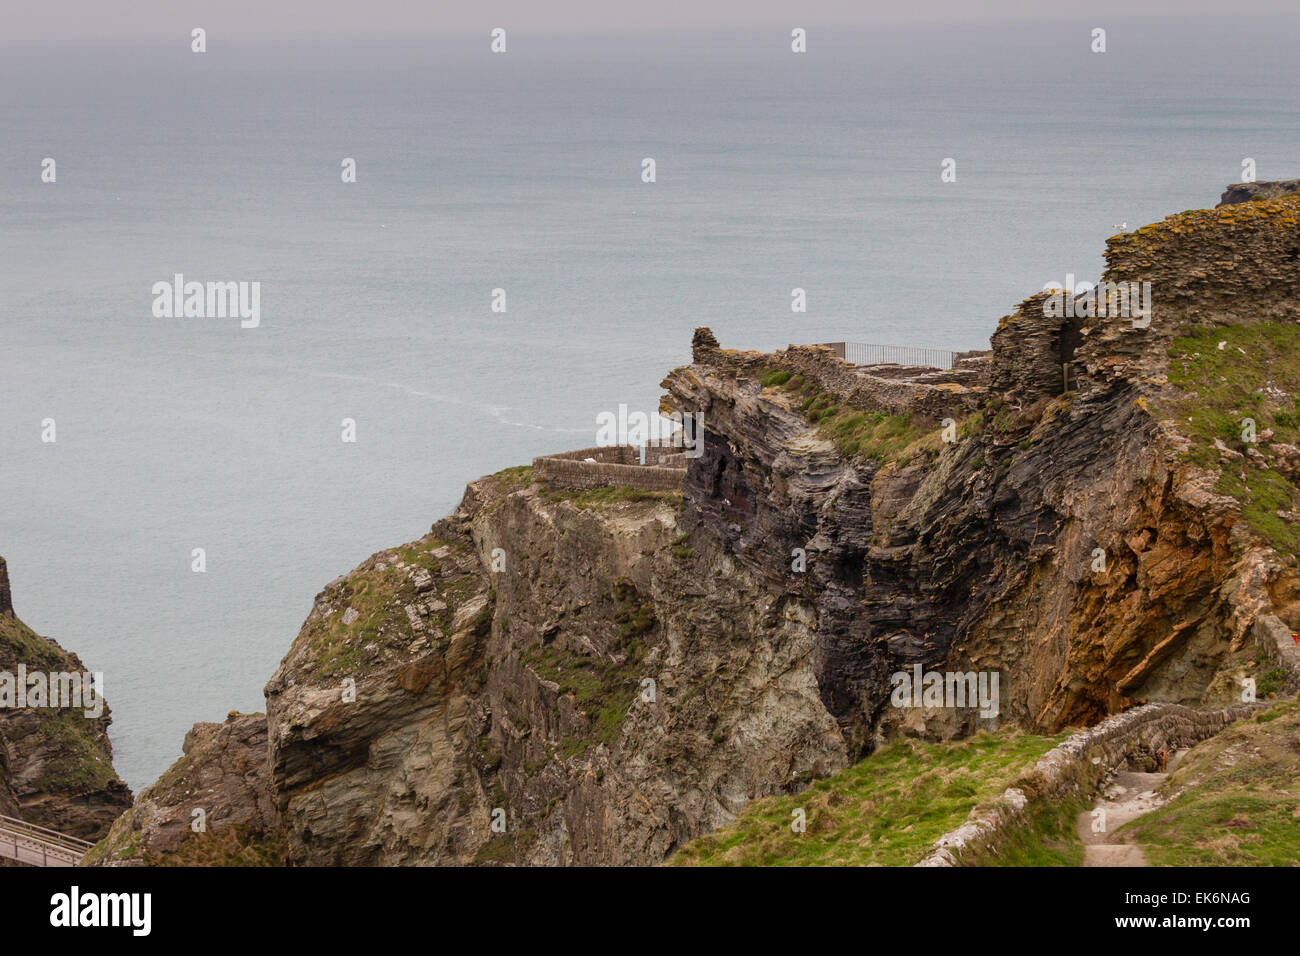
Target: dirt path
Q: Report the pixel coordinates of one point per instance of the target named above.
(1128, 796)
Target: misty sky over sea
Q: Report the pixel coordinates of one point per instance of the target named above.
(163, 17)
(520, 171)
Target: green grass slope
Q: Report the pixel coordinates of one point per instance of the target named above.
(886, 810)
(1255, 375)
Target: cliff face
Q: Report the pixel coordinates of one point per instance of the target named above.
(986, 552)
(560, 677)
(527, 694)
(970, 554)
(590, 680)
(56, 765)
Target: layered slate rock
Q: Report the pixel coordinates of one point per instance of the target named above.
(1245, 192)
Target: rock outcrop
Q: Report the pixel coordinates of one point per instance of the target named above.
(56, 763)
(214, 806)
(600, 700)
(6, 597)
(1245, 192)
(1064, 540)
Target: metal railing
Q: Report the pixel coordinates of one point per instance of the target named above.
(862, 353)
(41, 846)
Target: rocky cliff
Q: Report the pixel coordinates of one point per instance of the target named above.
(214, 806)
(56, 764)
(555, 677)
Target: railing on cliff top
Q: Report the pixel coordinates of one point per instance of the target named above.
(860, 353)
(39, 846)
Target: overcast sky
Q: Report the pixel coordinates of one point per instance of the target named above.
(118, 17)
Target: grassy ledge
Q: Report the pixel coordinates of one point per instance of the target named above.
(856, 432)
(1255, 375)
(886, 810)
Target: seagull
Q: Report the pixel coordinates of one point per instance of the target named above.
(1121, 226)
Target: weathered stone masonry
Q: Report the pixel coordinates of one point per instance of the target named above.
(615, 466)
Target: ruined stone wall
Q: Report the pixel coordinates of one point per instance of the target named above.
(610, 454)
(616, 466)
(1234, 264)
(664, 458)
(856, 387)
(1026, 361)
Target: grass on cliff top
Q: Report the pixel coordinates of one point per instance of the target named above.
(516, 475)
(81, 764)
(521, 476)
(1255, 375)
(514, 478)
(1238, 801)
(380, 595)
(886, 810)
(856, 432)
(20, 644)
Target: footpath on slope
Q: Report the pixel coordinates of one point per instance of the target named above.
(1130, 795)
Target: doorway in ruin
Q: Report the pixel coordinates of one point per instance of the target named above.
(1068, 342)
